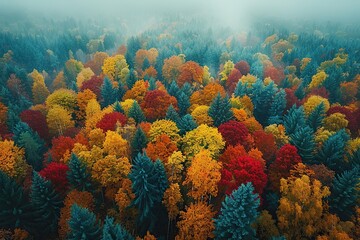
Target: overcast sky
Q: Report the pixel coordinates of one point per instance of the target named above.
(227, 12)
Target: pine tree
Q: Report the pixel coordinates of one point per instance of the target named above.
(78, 176)
(241, 89)
(46, 201)
(173, 89)
(186, 124)
(238, 213)
(113, 231)
(152, 84)
(183, 103)
(118, 108)
(171, 114)
(303, 140)
(316, 117)
(136, 113)
(187, 89)
(162, 181)
(277, 108)
(139, 142)
(333, 150)
(108, 93)
(83, 224)
(15, 209)
(345, 193)
(131, 79)
(220, 110)
(294, 119)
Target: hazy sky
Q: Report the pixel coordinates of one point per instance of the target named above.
(227, 12)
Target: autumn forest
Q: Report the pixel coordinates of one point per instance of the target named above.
(179, 130)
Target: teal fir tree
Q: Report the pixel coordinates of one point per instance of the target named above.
(183, 103)
(345, 193)
(186, 123)
(277, 108)
(294, 119)
(78, 176)
(131, 78)
(171, 114)
(118, 108)
(138, 142)
(113, 231)
(83, 224)
(187, 89)
(46, 201)
(173, 89)
(152, 84)
(333, 150)
(316, 117)
(108, 93)
(220, 110)
(238, 213)
(303, 140)
(136, 113)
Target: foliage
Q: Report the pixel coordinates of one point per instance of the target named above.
(220, 110)
(238, 213)
(113, 231)
(161, 148)
(83, 224)
(136, 113)
(110, 121)
(12, 159)
(156, 103)
(78, 176)
(234, 133)
(56, 173)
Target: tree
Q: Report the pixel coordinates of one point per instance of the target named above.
(186, 123)
(108, 93)
(113, 231)
(203, 176)
(156, 103)
(110, 121)
(190, 72)
(207, 95)
(46, 201)
(241, 170)
(83, 99)
(335, 122)
(277, 107)
(294, 119)
(138, 142)
(301, 207)
(93, 84)
(171, 114)
(137, 92)
(243, 67)
(116, 68)
(313, 101)
(39, 89)
(172, 199)
(316, 117)
(83, 224)
(332, 151)
(171, 68)
(161, 148)
(265, 142)
(78, 176)
(232, 80)
(115, 145)
(183, 103)
(163, 126)
(303, 140)
(58, 120)
(64, 98)
(220, 110)
(131, 78)
(15, 210)
(136, 113)
(12, 160)
(201, 115)
(238, 213)
(61, 148)
(202, 137)
(196, 222)
(345, 193)
(286, 158)
(234, 133)
(56, 173)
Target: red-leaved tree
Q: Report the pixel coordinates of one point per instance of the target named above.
(156, 103)
(37, 121)
(56, 173)
(109, 121)
(234, 132)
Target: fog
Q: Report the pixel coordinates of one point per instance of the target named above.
(227, 13)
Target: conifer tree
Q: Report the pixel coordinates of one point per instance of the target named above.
(294, 119)
(118, 108)
(113, 231)
(139, 142)
(131, 78)
(220, 110)
(83, 224)
(183, 103)
(238, 213)
(277, 108)
(136, 113)
(108, 93)
(171, 114)
(303, 140)
(78, 176)
(316, 117)
(186, 124)
(46, 201)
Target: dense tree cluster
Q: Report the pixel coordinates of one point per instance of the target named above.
(179, 133)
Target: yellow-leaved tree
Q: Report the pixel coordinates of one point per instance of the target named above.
(39, 90)
(203, 176)
(12, 159)
(116, 68)
(301, 207)
(164, 126)
(58, 120)
(202, 137)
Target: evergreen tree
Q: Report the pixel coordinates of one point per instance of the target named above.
(300, 92)
(345, 193)
(316, 117)
(118, 108)
(113, 231)
(136, 113)
(294, 119)
(78, 176)
(173, 89)
(171, 114)
(121, 90)
(152, 84)
(187, 89)
(108, 93)
(83, 224)
(162, 181)
(303, 140)
(220, 110)
(277, 108)
(131, 78)
(46, 201)
(333, 151)
(241, 89)
(138, 142)
(146, 64)
(186, 124)
(238, 213)
(183, 103)
(15, 209)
